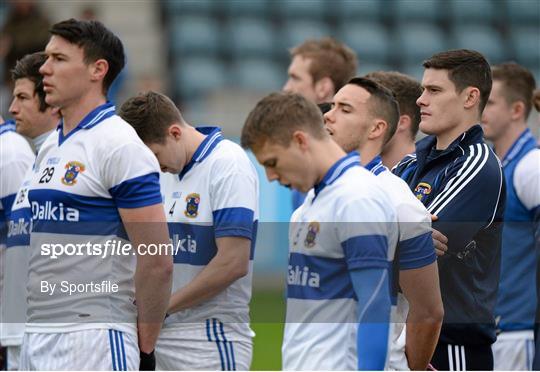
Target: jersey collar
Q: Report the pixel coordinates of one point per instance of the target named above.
(523, 139)
(473, 135)
(8, 126)
(352, 159)
(213, 137)
(95, 117)
(376, 166)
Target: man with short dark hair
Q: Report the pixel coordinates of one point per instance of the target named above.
(406, 90)
(363, 117)
(505, 124)
(94, 185)
(341, 240)
(35, 119)
(318, 69)
(211, 201)
(459, 179)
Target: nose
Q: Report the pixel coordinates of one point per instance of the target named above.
(329, 116)
(421, 101)
(271, 175)
(287, 87)
(14, 107)
(45, 68)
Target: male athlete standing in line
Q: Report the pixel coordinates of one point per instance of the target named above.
(94, 182)
(211, 201)
(341, 240)
(35, 119)
(459, 179)
(505, 124)
(363, 118)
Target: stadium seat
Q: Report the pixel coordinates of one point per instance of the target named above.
(312, 9)
(182, 7)
(414, 42)
(250, 37)
(484, 39)
(478, 11)
(198, 76)
(422, 10)
(364, 10)
(296, 32)
(235, 8)
(370, 40)
(523, 11)
(526, 43)
(194, 35)
(258, 74)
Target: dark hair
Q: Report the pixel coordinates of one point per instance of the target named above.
(329, 58)
(97, 42)
(382, 103)
(151, 114)
(536, 100)
(277, 116)
(28, 68)
(519, 83)
(406, 90)
(466, 68)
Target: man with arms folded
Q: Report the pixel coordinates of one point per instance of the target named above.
(318, 69)
(36, 120)
(459, 179)
(363, 118)
(211, 202)
(505, 124)
(341, 240)
(94, 182)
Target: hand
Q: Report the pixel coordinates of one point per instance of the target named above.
(439, 240)
(148, 361)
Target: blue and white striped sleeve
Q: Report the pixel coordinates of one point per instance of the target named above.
(234, 198)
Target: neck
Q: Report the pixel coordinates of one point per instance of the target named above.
(399, 146)
(325, 154)
(369, 151)
(38, 141)
(195, 138)
(504, 142)
(74, 112)
(445, 139)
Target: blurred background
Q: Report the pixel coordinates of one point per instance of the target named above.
(216, 58)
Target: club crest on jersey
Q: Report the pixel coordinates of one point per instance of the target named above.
(192, 206)
(422, 190)
(313, 230)
(73, 168)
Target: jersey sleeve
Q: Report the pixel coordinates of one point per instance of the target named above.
(471, 198)
(131, 174)
(527, 180)
(234, 196)
(362, 231)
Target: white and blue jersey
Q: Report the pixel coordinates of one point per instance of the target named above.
(346, 223)
(516, 305)
(16, 159)
(215, 196)
(80, 181)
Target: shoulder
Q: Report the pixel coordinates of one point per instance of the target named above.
(530, 163)
(229, 158)
(114, 132)
(14, 148)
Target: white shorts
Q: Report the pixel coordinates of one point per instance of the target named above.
(94, 349)
(13, 357)
(210, 346)
(513, 351)
(397, 360)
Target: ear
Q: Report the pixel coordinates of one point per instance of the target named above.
(518, 110)
(324, 88)
(378, 129)
(471, 96)
(301, 140)
(99, 69)
(175, 131)
(404, 124)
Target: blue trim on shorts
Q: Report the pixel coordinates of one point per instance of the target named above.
(214, 324)
(224, 340)
(112, 350)
(123, 350)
